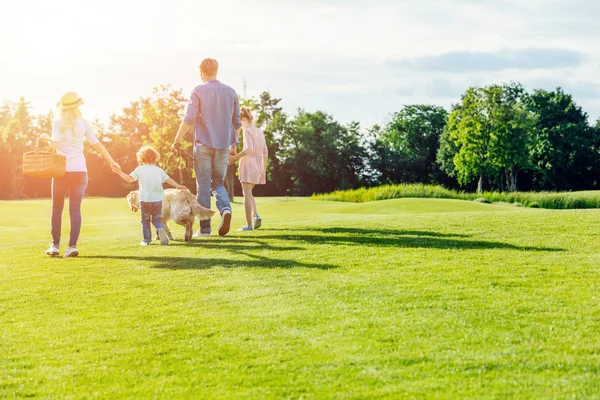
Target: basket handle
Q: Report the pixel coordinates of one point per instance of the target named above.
(37, 143)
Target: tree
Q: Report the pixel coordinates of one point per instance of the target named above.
(564, 150)
(469, 128)
(317, 154)
(490, 135)
(405, 150)
(512, 123)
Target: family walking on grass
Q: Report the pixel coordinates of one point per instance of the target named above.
(214, 114)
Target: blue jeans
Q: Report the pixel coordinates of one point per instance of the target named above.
(210, 167)
(75, 184)
(150, 212)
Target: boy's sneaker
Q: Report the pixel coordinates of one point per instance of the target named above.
(199, 233)
(52, 250)
(164, 239)
(245, 229)
(71, 252)
(143, 243)
(225, 223)
(257, 221)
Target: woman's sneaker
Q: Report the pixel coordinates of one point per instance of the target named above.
(143, 243)
(244, 229)
(71, 252)
(52, 250)
(257, 221)
(164, 239)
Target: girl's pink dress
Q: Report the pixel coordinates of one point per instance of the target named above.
(253, 165)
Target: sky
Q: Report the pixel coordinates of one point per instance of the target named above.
(359, 60)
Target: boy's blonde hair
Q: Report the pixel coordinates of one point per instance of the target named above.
(209, 67)
(147, 155)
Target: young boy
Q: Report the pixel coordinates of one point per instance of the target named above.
(151, 193)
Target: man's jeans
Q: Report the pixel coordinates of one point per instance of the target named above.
(150, 212)
(210, 167)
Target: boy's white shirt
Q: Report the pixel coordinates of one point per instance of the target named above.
(150, 179)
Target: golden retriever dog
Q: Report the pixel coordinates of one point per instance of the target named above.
(179, 206)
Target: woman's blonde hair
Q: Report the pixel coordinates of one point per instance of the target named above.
(147, 155)
(68, 117)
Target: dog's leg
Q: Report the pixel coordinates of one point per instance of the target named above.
(188, 232)
(168, 231)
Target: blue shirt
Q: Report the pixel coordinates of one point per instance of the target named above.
(150, 179)
(214, 110)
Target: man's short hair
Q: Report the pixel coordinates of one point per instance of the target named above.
(209, 66)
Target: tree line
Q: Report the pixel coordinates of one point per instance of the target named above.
(497, 137)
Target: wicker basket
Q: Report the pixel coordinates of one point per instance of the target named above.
(43, 164)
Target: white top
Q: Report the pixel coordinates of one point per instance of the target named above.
(71, 145)
(150, 179)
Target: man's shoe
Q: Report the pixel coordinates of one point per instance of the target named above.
(225, 223)
(199, 233)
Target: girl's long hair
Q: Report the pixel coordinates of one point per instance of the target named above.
(68, 118)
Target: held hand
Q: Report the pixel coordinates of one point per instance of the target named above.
(181, 187)
(115, 166)
(232, 159)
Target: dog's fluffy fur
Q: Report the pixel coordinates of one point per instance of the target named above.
(180, 206)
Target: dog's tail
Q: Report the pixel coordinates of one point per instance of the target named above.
(201, 212)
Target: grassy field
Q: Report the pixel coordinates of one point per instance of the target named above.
(408, 298)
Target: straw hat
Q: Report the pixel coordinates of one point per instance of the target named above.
(69, 100)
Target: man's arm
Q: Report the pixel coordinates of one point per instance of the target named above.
(235, 119)
(183, 129)
(189, 119)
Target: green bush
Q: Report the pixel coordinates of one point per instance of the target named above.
(550, 200)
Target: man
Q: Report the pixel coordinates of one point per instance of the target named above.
(214, 111)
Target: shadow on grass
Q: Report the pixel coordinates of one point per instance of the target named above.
(396, 238)
(188, 263)
(234, 244)
(387, 232)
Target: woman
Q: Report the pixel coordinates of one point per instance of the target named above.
(68, 135)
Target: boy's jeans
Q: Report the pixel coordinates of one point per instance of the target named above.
(210, 166)
(150, 212)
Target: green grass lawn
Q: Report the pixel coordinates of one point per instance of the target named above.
(406, 298)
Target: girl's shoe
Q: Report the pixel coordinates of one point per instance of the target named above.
(142, 243)
(71, 252)
(257, 221)
(52, 250)
(244, 229)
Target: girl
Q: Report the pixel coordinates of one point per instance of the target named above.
(151, 194)
(68, 135)
(253, 167)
